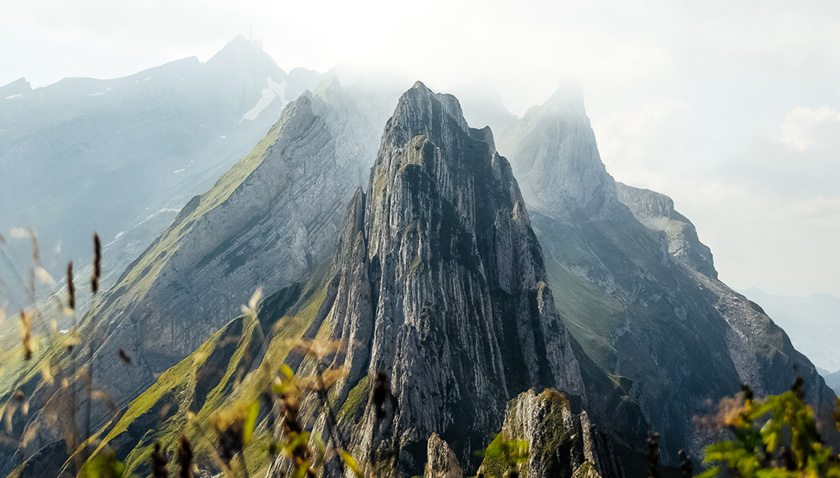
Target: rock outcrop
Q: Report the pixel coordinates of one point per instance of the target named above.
(560, 441)
(440, 460)
(656, 211)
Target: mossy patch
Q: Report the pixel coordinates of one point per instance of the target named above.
(353, 408)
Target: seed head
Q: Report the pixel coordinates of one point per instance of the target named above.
(26, 334)
(686, 465)
(159, 463)
(748, 393)
(71, 289)
(97, 264)
(185, 457)
(653, 455)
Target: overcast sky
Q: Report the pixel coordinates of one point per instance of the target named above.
(732, 108)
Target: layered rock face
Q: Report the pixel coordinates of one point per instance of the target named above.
(265, 223)
(561, 441)
(656, 211)
(557, 160)
(441, 286)
(637, 288)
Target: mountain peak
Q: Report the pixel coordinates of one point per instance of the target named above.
(567, 99)
(422, 111)
(17, 87)
(242, 53)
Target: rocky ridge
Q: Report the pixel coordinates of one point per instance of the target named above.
(561, 441)
(441, 286)
(637, 288)
(266, 222)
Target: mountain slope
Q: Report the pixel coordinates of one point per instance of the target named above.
(269, 219)
(440, 286)
(812, 323)
(437, 280)
(638, 289)
(122, 156)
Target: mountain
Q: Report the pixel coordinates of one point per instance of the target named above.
(269, 219)
(483, 106)
(833, 381)
(468, 292)
(812, 322)
(441, 287)
(637, 288)
(123, 156)
(436, 280)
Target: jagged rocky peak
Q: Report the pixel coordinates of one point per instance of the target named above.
(561, 440)
(441, 462)
(657, 212)
(440, 285)
(555, 157)
(263, 224)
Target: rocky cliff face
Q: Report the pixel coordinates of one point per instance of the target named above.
(441, 286)
(558, 163)
(561, 441)
(266, 222)
(656, 211)
(638, 289)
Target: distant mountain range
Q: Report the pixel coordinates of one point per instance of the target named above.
(123, 156)
(481, 274)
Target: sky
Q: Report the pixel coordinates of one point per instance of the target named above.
(732, 108)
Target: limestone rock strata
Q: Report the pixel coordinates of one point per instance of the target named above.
(441, 286)
(561, 441)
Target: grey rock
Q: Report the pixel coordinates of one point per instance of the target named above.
(441, 286)
(441, 461)
(657, 212)
(639, 291)
(561, 441)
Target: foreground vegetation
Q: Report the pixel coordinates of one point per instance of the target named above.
(266, 426)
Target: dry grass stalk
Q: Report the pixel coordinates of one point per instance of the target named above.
(185, 457)
(26, 334)
(159, 463)
(97, 264)
(71, 288)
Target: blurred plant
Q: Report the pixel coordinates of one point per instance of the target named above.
(504, 455)
(774, 437)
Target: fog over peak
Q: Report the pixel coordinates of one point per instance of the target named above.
(730, 109)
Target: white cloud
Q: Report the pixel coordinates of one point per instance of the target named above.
(802, 124)
(719, 104)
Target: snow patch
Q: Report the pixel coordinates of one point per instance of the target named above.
(119, 235)
(19, 95)
(179, 171)
(272, 91)
(161, 211)
(223, 136)
(98, 93)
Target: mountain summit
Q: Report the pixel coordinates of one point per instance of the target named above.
(441, 286)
